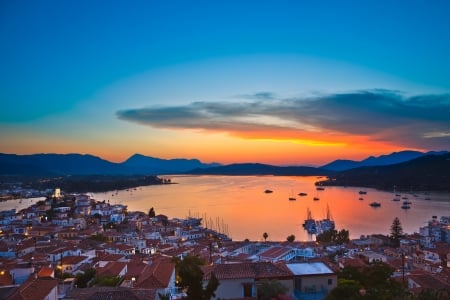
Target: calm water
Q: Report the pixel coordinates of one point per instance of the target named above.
(19, 204)
(240, 203)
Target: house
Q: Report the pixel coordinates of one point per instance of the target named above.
(278, 253)
(159, 275)
(112, 293)
(112, 269)
(70, 264)
(37, 289)
(312, 280)
(419, 281)
(372, 257)
(241, 279)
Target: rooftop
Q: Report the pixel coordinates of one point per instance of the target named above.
(315, 268)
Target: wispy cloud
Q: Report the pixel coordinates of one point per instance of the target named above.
(421, 121)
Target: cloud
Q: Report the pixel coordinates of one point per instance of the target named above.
(258, 96)
(421, 121)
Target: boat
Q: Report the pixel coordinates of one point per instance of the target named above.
(318, 226)
(407, 202)
(326, 224)
(316, 198)
(360, 198)
(362, 192)
(405, 206)
(375, 204)
(268, 191)
(320, 188)
(302, 194)
(310, 224)
(396, 199)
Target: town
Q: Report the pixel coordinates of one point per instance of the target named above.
(71, 246)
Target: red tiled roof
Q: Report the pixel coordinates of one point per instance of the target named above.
(110, 293)
(73, 260)
(35, 289)
(428, 281)
(259, 270)
(157, 275)
(111, 269)
(46, 272)
(275, 252)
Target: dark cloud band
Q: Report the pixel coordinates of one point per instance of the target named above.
(418, 121)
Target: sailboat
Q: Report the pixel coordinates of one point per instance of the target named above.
(310, 223)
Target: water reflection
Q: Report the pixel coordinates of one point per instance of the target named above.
(241, 203)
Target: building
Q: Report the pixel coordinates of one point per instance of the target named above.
(312, 280)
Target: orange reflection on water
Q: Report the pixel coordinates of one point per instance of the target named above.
(239, 204)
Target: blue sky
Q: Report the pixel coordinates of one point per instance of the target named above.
(70, 69)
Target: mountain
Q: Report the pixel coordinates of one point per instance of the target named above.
(56, 164)
(140, 163)
(383, 160)
(260, 169)
(428, 172)
(78, 164)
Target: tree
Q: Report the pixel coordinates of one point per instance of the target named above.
(265, 236)
(346, 289)
(374, 279)
(290, 238)
(271, 289)
(335, 237)
(82, 279)
(191, 277)
(151, 213)
(396, 232)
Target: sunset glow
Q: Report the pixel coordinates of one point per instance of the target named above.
(277, 83)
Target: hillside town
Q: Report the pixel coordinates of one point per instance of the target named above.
(48, 250)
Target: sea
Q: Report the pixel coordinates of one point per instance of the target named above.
(240, 207)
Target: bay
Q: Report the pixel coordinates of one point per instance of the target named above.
(238, 205)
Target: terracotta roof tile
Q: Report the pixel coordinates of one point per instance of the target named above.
(259, 270)
(157, 275)
(35, 289)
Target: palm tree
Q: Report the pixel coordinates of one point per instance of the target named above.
(265, 236)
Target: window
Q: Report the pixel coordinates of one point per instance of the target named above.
(330, 281)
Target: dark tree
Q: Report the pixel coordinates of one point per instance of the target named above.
(396, 232)
(191, 277)
(82, 279)
(151, 213)
(291, 238)
(346, 289)
(334, 236)
(375, 280)
(271, 289)
(265, 236)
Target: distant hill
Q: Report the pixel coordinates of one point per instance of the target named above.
(140, 163)
(429, 172)
(383, 160)
(78, 164)
(260, 169)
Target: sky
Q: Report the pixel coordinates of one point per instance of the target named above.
(279, 82)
